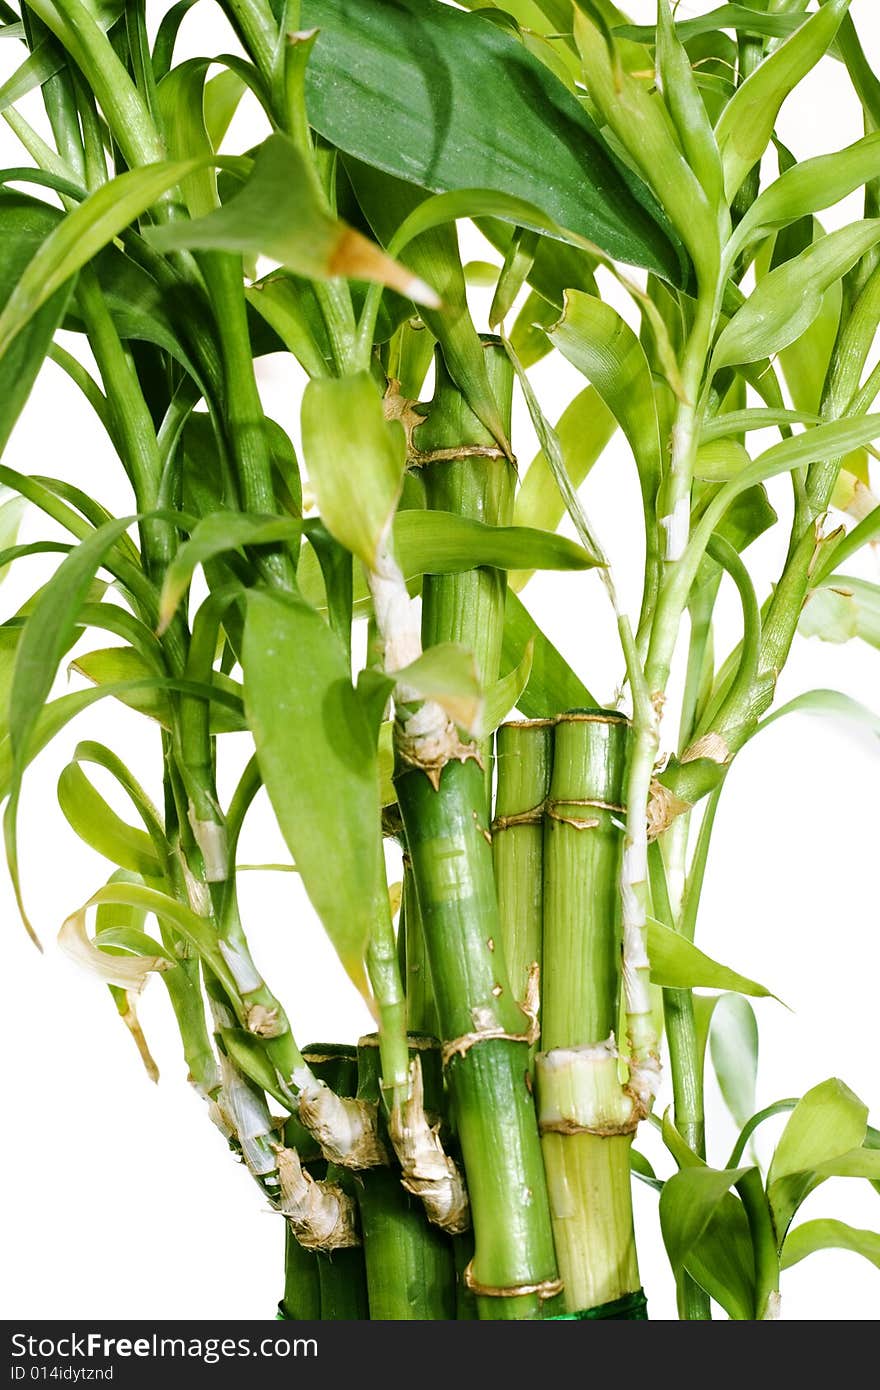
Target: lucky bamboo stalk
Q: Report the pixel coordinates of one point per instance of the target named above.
(586, 1115)
(409, 1262)
(485, 1032)
(523, 760)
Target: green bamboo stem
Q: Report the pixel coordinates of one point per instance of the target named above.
(409, 1263)
(586, 1116)
(482, 1023)
(302, 1289)
(421, 1008)
(468, 607)
(523, 758)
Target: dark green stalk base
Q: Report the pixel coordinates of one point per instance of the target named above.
(410, 1267)
(633, 1307)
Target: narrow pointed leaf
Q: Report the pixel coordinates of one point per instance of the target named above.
(827, 1234)
(280, 213)
(733, 1045)
(552, 685)
(318, 762)
(95, 821)
(747, 122)
(784, 303)
(677, 963)
(212, 536)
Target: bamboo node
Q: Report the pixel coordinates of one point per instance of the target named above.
(427, 1171)
(418, 458)
(545, 1288)
(320, 1214)
(534, 816)
(487, 1032)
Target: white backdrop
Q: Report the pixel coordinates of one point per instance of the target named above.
(119, 1199)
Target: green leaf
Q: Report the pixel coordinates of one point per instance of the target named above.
(741, 17)
(552, 685)
(280, 213)
(825, 1127)
(448, 101)
(867, 530)
(746, 124)
(841, 608)
(640, 121)
(388, 204)
(705, 1231)
(447, 672)
(826, 1234)
(719, 460)
(22, 231)
(677, 963)
(596, 340)
(355, 460)
(81, 234)
(505, 694)
(733, 1044)
(810, 186)
(584, 428)
(134, 681)
(101, 828)
(213, 535)
(687, 109)
(786, 301)
(317, 758)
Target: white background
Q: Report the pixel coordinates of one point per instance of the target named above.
(119, 1198)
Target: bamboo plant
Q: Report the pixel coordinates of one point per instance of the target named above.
(472, 1158)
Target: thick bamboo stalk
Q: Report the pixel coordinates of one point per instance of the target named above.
(330, 1285)
(586, 1115)
(410, 1270)
(421, 1009)
(523, 759)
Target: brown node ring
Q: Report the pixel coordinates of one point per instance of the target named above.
(547, 1288)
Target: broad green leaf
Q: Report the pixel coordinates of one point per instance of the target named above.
(95, 821)
(825, 702)
(22, 232)
(826, 1234)
(842, 608)
(645, 129)
(596, 340)
(435, 542)
(584, 428)
(280, 213)
(689, 1202)
(212, 536)
(317, 758)
(280, 300)
(81, 234)
(677, 963)
(746, 124)
(823, 1129)
(355, 460)
(786, 301)
(552, 685)
(733, 1044)
(487, 116)
(810, 186)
